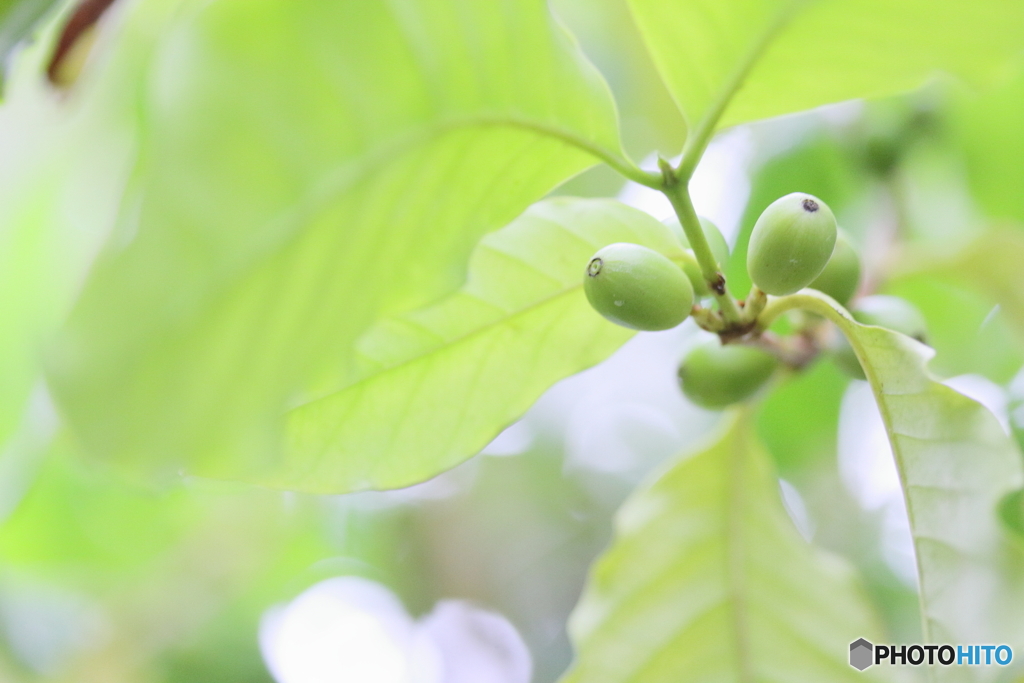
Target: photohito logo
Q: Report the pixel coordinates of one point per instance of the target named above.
(864, 654)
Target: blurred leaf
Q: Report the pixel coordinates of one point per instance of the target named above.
(75, 517)
(82, 527)
(225, 648)
(955, 464)
(520, 539)
(797, 444)
(805, 54)
(194, 582)
(930, 202)
(969, 334)
(1011, 511)
(63, 171)
(170, 571)
(991, 264)
(989, 131)
(707, 579)
(438, 384)
(890, 129)
(308, 168)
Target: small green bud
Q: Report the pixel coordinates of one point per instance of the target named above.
(716, 376)
(637, 287)
(719, 249)
(842, 272)
(890, 312)
(791, 242)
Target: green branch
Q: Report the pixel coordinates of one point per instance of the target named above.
(679, 197)
(701, 135)
(808, 300)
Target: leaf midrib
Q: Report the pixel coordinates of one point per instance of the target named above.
(447, 344)
(736, 506)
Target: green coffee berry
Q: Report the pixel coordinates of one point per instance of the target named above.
(716, 376)
(893, 313)
(791, 242)
(890, 312)
(716, 241)
(842, 272)
(637, 287)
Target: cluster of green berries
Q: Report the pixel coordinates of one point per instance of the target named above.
(795, 243)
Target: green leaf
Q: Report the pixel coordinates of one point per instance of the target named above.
(799, 54)
(707, 579)
(955, 464)
(308, 168)
(438, 384)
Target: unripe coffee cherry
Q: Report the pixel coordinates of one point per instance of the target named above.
(842, 272)
(791, 243)
(637, 287)
(716, 376)
(890, 312)
(719, 249)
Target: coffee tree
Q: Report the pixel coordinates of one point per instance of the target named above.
(317, 247)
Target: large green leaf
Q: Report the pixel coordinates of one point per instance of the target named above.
(308, 167)
(805, 53)
(708, 580)
(955, 464)
(437, 384)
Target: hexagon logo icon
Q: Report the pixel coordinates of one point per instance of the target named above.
(860, 654)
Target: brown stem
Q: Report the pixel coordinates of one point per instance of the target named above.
(85, 15)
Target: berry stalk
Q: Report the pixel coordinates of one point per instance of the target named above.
(679, 196)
